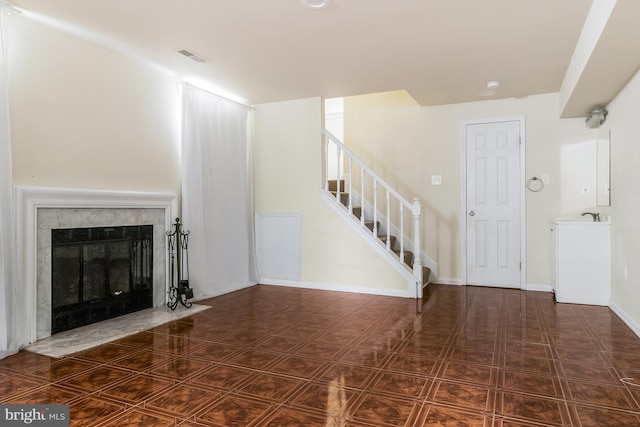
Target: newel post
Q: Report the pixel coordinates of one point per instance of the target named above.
(417, 249)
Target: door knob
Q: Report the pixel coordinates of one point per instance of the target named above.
(471, 213)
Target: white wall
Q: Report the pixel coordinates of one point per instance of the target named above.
(85, 116)
(287, 177)
(625, 202)
(406, 144)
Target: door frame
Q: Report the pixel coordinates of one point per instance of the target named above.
(463, 194)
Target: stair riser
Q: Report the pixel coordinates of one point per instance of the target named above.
(344, 198)
(426, 271)
(333, 185)
(392, 240)
(369, 225)
(408, 257)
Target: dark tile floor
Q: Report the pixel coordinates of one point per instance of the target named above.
(275, 356)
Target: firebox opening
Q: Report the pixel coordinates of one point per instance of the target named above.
(99, 273)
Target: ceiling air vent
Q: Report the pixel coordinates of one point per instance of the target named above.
(191, 55)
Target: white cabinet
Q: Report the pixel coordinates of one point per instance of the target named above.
(581, 272)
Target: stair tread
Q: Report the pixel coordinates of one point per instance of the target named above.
(397, 251)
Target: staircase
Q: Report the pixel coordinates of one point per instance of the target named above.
(362, 212)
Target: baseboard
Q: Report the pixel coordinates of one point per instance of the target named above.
(529, 287)
(220, 292)
(628, 320)
(447, 281)
(336, 287)
(538, 287)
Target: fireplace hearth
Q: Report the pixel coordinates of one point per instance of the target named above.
(99, 273)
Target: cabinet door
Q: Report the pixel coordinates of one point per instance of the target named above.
(583, 263)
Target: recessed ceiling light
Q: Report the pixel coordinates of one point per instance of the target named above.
(492, 86)
(315, 4)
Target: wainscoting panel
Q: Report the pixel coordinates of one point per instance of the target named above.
(279, 245)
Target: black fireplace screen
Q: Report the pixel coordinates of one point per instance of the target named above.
(99, 273)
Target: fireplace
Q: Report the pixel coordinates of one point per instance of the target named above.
(98, 273)
(41, 209)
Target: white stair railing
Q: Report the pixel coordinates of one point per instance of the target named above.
(339, 162)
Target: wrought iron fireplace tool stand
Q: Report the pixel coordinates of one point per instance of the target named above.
(179, 290)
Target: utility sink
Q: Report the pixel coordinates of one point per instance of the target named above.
(583, 220)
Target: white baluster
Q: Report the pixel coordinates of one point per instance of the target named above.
(417, 250)
(350, 186)
(375, 208)
(401, 230)
(338, 173)
(388, 221)
(362, 198)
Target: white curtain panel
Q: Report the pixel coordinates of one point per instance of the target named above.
(217, 193)
(13, 331)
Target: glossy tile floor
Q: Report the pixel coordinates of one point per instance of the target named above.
(275, 356)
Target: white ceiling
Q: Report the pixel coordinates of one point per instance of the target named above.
(440, 51)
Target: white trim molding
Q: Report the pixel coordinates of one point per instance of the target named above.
(402, 293)
(448, 281)
(628, 320)
(538, 287)
(29, 199)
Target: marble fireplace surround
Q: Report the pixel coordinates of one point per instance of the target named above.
(39, 209)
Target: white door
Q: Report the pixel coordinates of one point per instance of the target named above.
(493, 204)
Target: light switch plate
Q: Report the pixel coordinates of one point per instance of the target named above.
(436, 179)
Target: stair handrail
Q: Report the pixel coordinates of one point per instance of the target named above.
(414, 206)
(363, 165)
